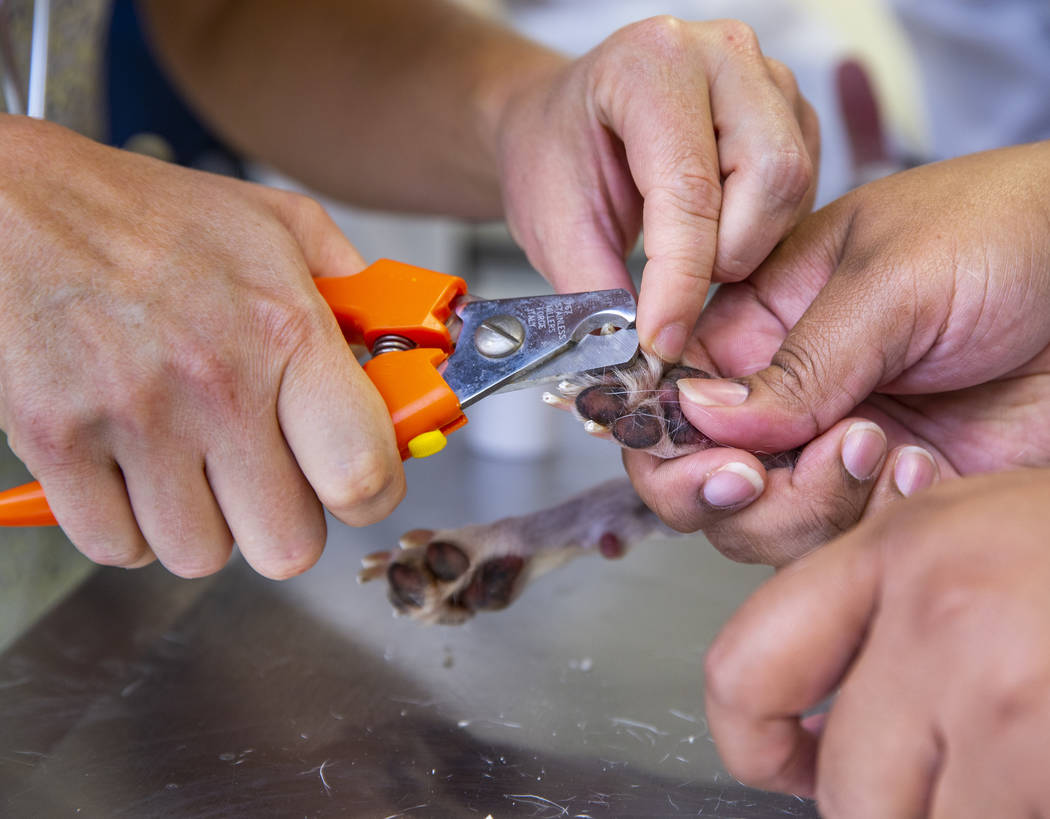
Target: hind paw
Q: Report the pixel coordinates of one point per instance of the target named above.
(447, 576)
(437, 577)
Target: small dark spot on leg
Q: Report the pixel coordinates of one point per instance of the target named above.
(638, 430)
(407, 586)
(493, 585)
(603, 403)
(610, 546)
(446, 560)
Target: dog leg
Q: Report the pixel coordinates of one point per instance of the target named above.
(446, 576)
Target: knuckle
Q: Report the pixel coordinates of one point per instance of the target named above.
(677, 517)
(695, 194)
(43, 438)
(1018, 690)
(737, 35)
(948, 603)
(833, 514)
(290, 323)
(784, 78)
(370, 487)
(792, 373)
(304, 209)
(663, 34)
(739, 545)
(295, 557)
(136, 405)
(786, 171)
(199, 561)
(723, 673)
(205, 371)
(111, 552)
(681, 517)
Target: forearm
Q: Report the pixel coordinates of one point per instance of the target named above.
(388, 103)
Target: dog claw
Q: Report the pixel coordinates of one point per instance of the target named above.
(415, 537)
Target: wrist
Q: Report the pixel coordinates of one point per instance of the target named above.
(507, 71)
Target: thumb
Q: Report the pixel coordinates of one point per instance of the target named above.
(331, 415)
(783, 652)
(853, 334)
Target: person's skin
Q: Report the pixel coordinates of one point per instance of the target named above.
(171, 375)
(931, 621)
(403, 104)
(918, 301)
(168, 371)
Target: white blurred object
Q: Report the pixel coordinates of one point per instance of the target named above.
(515, 425)
(37, 97)
(512, 426)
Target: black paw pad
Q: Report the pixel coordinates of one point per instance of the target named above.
(407, 586)
(639, 430)
(493, 585)
(603, 403)
(446, 561)
(679, 430)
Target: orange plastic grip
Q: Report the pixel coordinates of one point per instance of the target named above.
(417, 398)
(392, 298)
(389, 297)
(25, 506)
(385, 298)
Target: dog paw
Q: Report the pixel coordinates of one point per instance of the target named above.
(637, 406)
(444, 577)
(447, 576)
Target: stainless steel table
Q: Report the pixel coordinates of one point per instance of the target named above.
(142, 695)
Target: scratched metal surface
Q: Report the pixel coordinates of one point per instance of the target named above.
(146, 696)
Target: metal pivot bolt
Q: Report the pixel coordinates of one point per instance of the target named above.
(499, 336)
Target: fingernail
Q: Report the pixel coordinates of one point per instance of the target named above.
(915, 469)
(670, 342)
(863, 448)
(732, 485)
(713, 392)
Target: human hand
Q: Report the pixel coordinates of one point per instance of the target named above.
(168, 371)
(932, 623)
(685, 128)
(917, 301)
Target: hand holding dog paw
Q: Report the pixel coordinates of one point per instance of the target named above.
(685, 128)
(931, 622)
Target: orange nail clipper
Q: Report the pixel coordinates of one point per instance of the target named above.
(436, 350)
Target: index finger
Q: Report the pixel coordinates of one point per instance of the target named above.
(782, 653)
(684, 132)
(670, 145)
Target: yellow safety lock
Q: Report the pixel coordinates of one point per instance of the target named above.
(427, 443)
